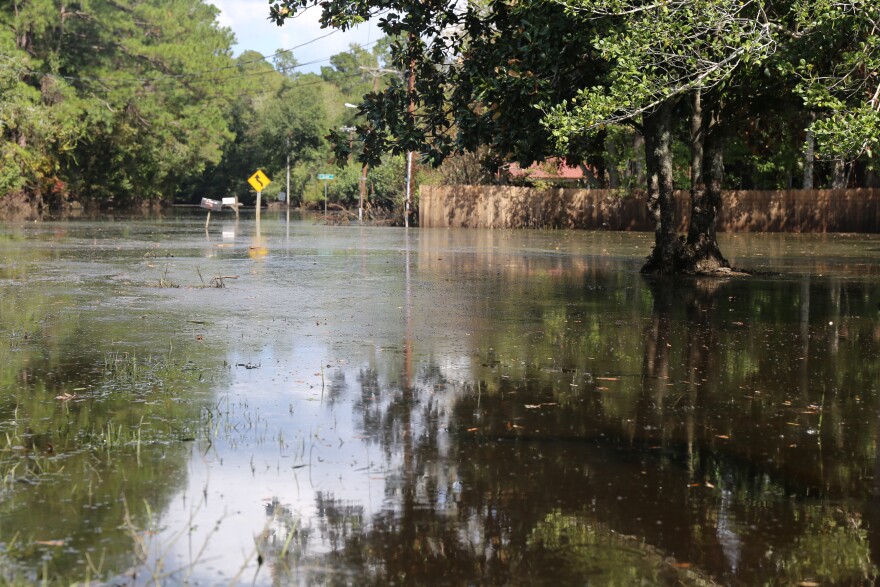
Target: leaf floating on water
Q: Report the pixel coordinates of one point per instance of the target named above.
(66, 397)
(472, 429)
(607, 378)
(808, 584)
(709, 485)
(723, 436)
(49, 542)
(682, 565)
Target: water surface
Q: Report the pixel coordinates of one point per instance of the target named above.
(361, 405)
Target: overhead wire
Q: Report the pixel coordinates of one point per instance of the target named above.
(204, 73)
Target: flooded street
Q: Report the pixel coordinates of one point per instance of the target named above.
(304, 404)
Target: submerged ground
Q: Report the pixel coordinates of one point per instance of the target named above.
(297, 403)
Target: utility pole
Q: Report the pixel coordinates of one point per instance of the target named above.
(410, 109)
(288, 179)
(350, 130)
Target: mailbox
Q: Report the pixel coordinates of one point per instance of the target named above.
(209, 204)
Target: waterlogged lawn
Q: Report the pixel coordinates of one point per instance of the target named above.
(302, 404)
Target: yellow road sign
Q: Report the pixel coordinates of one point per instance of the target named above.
(259, 181)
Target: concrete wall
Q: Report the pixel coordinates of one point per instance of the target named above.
(855, 210)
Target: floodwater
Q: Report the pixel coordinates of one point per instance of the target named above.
(303, 404)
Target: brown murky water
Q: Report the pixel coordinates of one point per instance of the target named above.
(371, 406)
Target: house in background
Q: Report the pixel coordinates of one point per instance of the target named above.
(552, 170)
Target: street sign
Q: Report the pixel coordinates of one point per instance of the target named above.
(259, 181)
(230, 201)
(325, 176)
(209, 204)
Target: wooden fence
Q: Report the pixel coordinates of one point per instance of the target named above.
(856, 210)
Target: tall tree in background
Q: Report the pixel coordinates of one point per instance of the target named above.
(138, 89)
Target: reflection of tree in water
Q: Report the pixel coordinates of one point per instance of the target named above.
(337, 387)
(715, 453)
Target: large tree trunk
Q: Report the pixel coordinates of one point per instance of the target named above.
(702, 254)
(657, 128)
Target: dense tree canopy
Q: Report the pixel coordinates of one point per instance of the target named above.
(840, 68)
(136, 101)
(140, 100)
(528, 80)
(135, 95)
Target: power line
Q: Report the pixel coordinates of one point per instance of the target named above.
(181, 76)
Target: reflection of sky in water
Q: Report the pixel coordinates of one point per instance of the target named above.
(284, 441)
(296, 421)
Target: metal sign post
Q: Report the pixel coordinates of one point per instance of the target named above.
(259, 181)
(325, 177)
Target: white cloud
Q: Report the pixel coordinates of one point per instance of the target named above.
(249, 20)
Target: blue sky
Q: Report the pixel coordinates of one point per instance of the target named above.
(248, 19)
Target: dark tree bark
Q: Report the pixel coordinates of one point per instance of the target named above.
(702, 254)
(698, 253)
(657, 129)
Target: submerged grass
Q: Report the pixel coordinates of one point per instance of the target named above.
(94, 445)
(215, 282)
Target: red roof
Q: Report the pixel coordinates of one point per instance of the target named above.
(549, 169)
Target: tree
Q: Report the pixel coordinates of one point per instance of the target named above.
(138, 90)
(839, 69)
(660, 57)
(33, 133)
(533, 80)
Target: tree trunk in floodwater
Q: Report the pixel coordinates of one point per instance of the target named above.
(661, 204)
(701, 255)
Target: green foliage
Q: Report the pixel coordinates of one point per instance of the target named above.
(35, 125)
(142, 101)
(839, 68)
(476, 84)
(384, 188)
(118, 102)
(658, 53)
